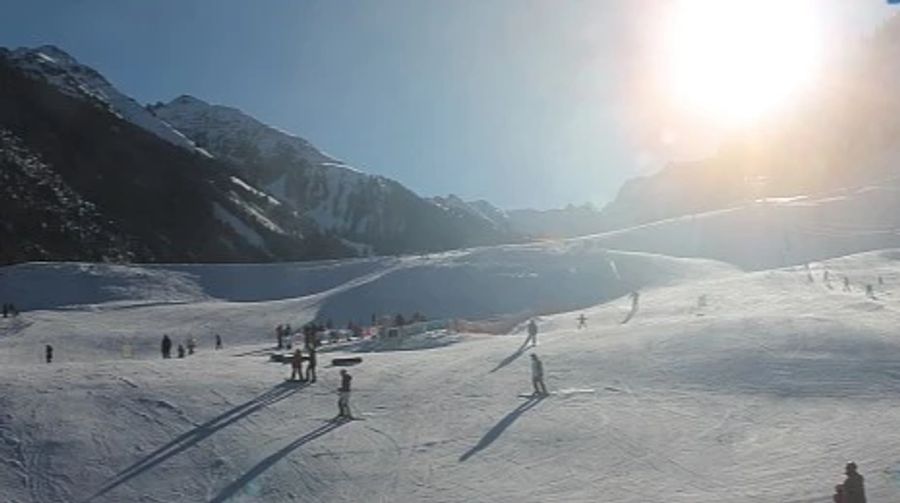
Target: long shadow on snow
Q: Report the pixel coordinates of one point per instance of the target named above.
(267, 463)
(498, 429)
(511, 358)
(190, 438)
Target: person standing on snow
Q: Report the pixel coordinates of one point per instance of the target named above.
(311, 365)
(191, 345)
(532, 333)
(297, 366)
(218, 341)
(48, 353)
(180, 351)
(537, 376)
(166, 347)
(344, 395)
(582, 321)
(853, 490)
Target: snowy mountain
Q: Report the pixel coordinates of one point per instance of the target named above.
(108, 189)
(557, 223)
(268, 196)
(374, 211)
(54, 66)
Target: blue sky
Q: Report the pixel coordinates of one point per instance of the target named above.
(518, 102)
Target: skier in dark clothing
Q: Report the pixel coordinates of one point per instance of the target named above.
(180, 351)
(218, 341)
(311, 365)
(48, 353)
(582, 321)
(344, 395)
(297, 366)
(532, 333)
(166, 347)
(853, 490)
(537, 376)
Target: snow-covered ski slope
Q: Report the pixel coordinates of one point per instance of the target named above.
(761, 395)
(726, 385)
(775, 232)
(101, 306)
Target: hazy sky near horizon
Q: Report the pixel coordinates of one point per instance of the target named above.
(515, 101)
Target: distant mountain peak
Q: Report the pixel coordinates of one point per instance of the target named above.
(60, 69)
(207, 123)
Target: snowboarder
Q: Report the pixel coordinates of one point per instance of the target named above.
(297, 366)
(344, 395)
(582, 321)
(537, 376)
(191, 345)
(218, 341)
(311, 365)
(166, 346)
(532, 333)
(48, 353)
(853, 490)
(180, 351)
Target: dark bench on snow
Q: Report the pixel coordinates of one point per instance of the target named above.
(346, 362)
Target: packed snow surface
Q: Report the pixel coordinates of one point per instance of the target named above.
(724, 386)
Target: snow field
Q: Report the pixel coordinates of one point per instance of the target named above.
(762, 395)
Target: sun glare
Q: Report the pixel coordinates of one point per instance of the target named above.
(733, 62)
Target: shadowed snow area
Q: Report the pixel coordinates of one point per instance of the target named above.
(724, 386)
(98, 307)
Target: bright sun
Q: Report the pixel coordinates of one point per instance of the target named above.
(735, 61)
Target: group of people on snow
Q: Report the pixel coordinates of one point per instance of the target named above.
(297, 360)
(185, 349)
(845, 280)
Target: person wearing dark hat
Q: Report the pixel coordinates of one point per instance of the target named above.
(853, 490)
